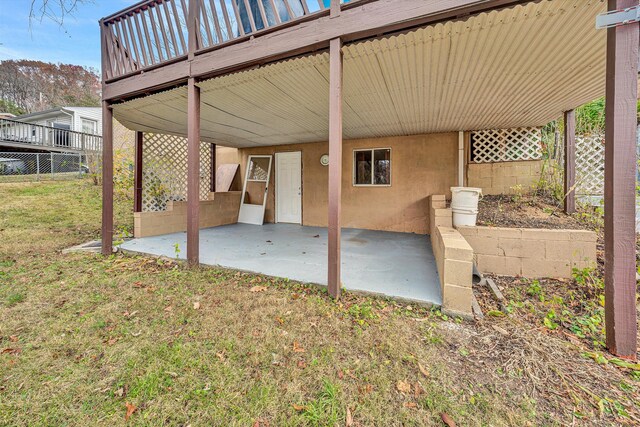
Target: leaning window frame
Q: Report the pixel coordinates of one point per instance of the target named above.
(372, 150)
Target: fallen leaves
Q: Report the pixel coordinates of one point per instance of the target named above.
(447, 420)
(297, 348)
(258, 289)
(366, 389)
(131, 408)
(298, 408)
(349, 418)
(424, 370)
(500, 330)
(410, 405)
(13, 338)
(418, 390)
(15, 351)
(196, 305)
(403, 387)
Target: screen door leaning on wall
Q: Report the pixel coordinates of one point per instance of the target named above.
(255, 189)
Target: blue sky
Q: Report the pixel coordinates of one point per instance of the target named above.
(77, 42)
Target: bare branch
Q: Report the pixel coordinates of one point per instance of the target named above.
(54, 10)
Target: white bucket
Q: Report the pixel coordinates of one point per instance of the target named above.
(464, 205)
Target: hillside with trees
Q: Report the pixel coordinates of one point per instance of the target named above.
(27, 86)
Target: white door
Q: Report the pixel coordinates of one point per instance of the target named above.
(255, 190)
(289, 187)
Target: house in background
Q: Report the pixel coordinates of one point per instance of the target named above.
(69, 129)
(426, 95)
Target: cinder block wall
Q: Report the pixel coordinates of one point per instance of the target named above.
(221, 209)
(454, 259)
(531, 253)
(500, 178)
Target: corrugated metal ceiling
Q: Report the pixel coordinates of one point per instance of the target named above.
(515, 67)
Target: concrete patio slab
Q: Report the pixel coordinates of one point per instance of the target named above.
(399, 265)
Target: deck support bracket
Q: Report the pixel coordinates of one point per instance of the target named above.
(618, 17)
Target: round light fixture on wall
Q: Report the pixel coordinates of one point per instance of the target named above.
(324, 159)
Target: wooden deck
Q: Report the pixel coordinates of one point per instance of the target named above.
(16, 135)
(157, 44)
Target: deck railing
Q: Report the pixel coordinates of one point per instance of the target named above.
(154, 32)
(29, 134)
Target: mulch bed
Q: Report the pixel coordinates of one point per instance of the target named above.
(525, 211)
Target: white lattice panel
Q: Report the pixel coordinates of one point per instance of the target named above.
(590, 164)
(164, 171)
(506, 145)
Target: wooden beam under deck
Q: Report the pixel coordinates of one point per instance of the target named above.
(107, 179)
(137, 172)
(569, 161)
(355, 21)
(619, 186)
(193, 173)
(212, 172)
(335, 166)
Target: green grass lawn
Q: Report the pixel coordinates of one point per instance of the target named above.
(85, 337)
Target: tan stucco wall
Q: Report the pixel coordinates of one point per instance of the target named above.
(226, 155)
(501, 178)
(220, 209)
(531, 253)
(421, 165)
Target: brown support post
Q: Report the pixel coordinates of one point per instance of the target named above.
(212, 182)
(619, 187)
(107, 179)
(335, 165)
(569, 161)
(137, 173)
(193, 173)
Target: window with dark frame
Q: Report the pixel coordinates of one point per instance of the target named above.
(372, 167)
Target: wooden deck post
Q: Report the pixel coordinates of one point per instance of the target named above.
(334, 8)
(193, 173)
(107, 179)
(335, 165)
(569, 161)
(137, 173)
(619, 187)
(212, 178)
(192, 28)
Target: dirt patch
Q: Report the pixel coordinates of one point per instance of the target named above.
(541, 323)
(527, 212)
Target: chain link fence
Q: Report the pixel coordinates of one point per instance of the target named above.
(18, 166)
